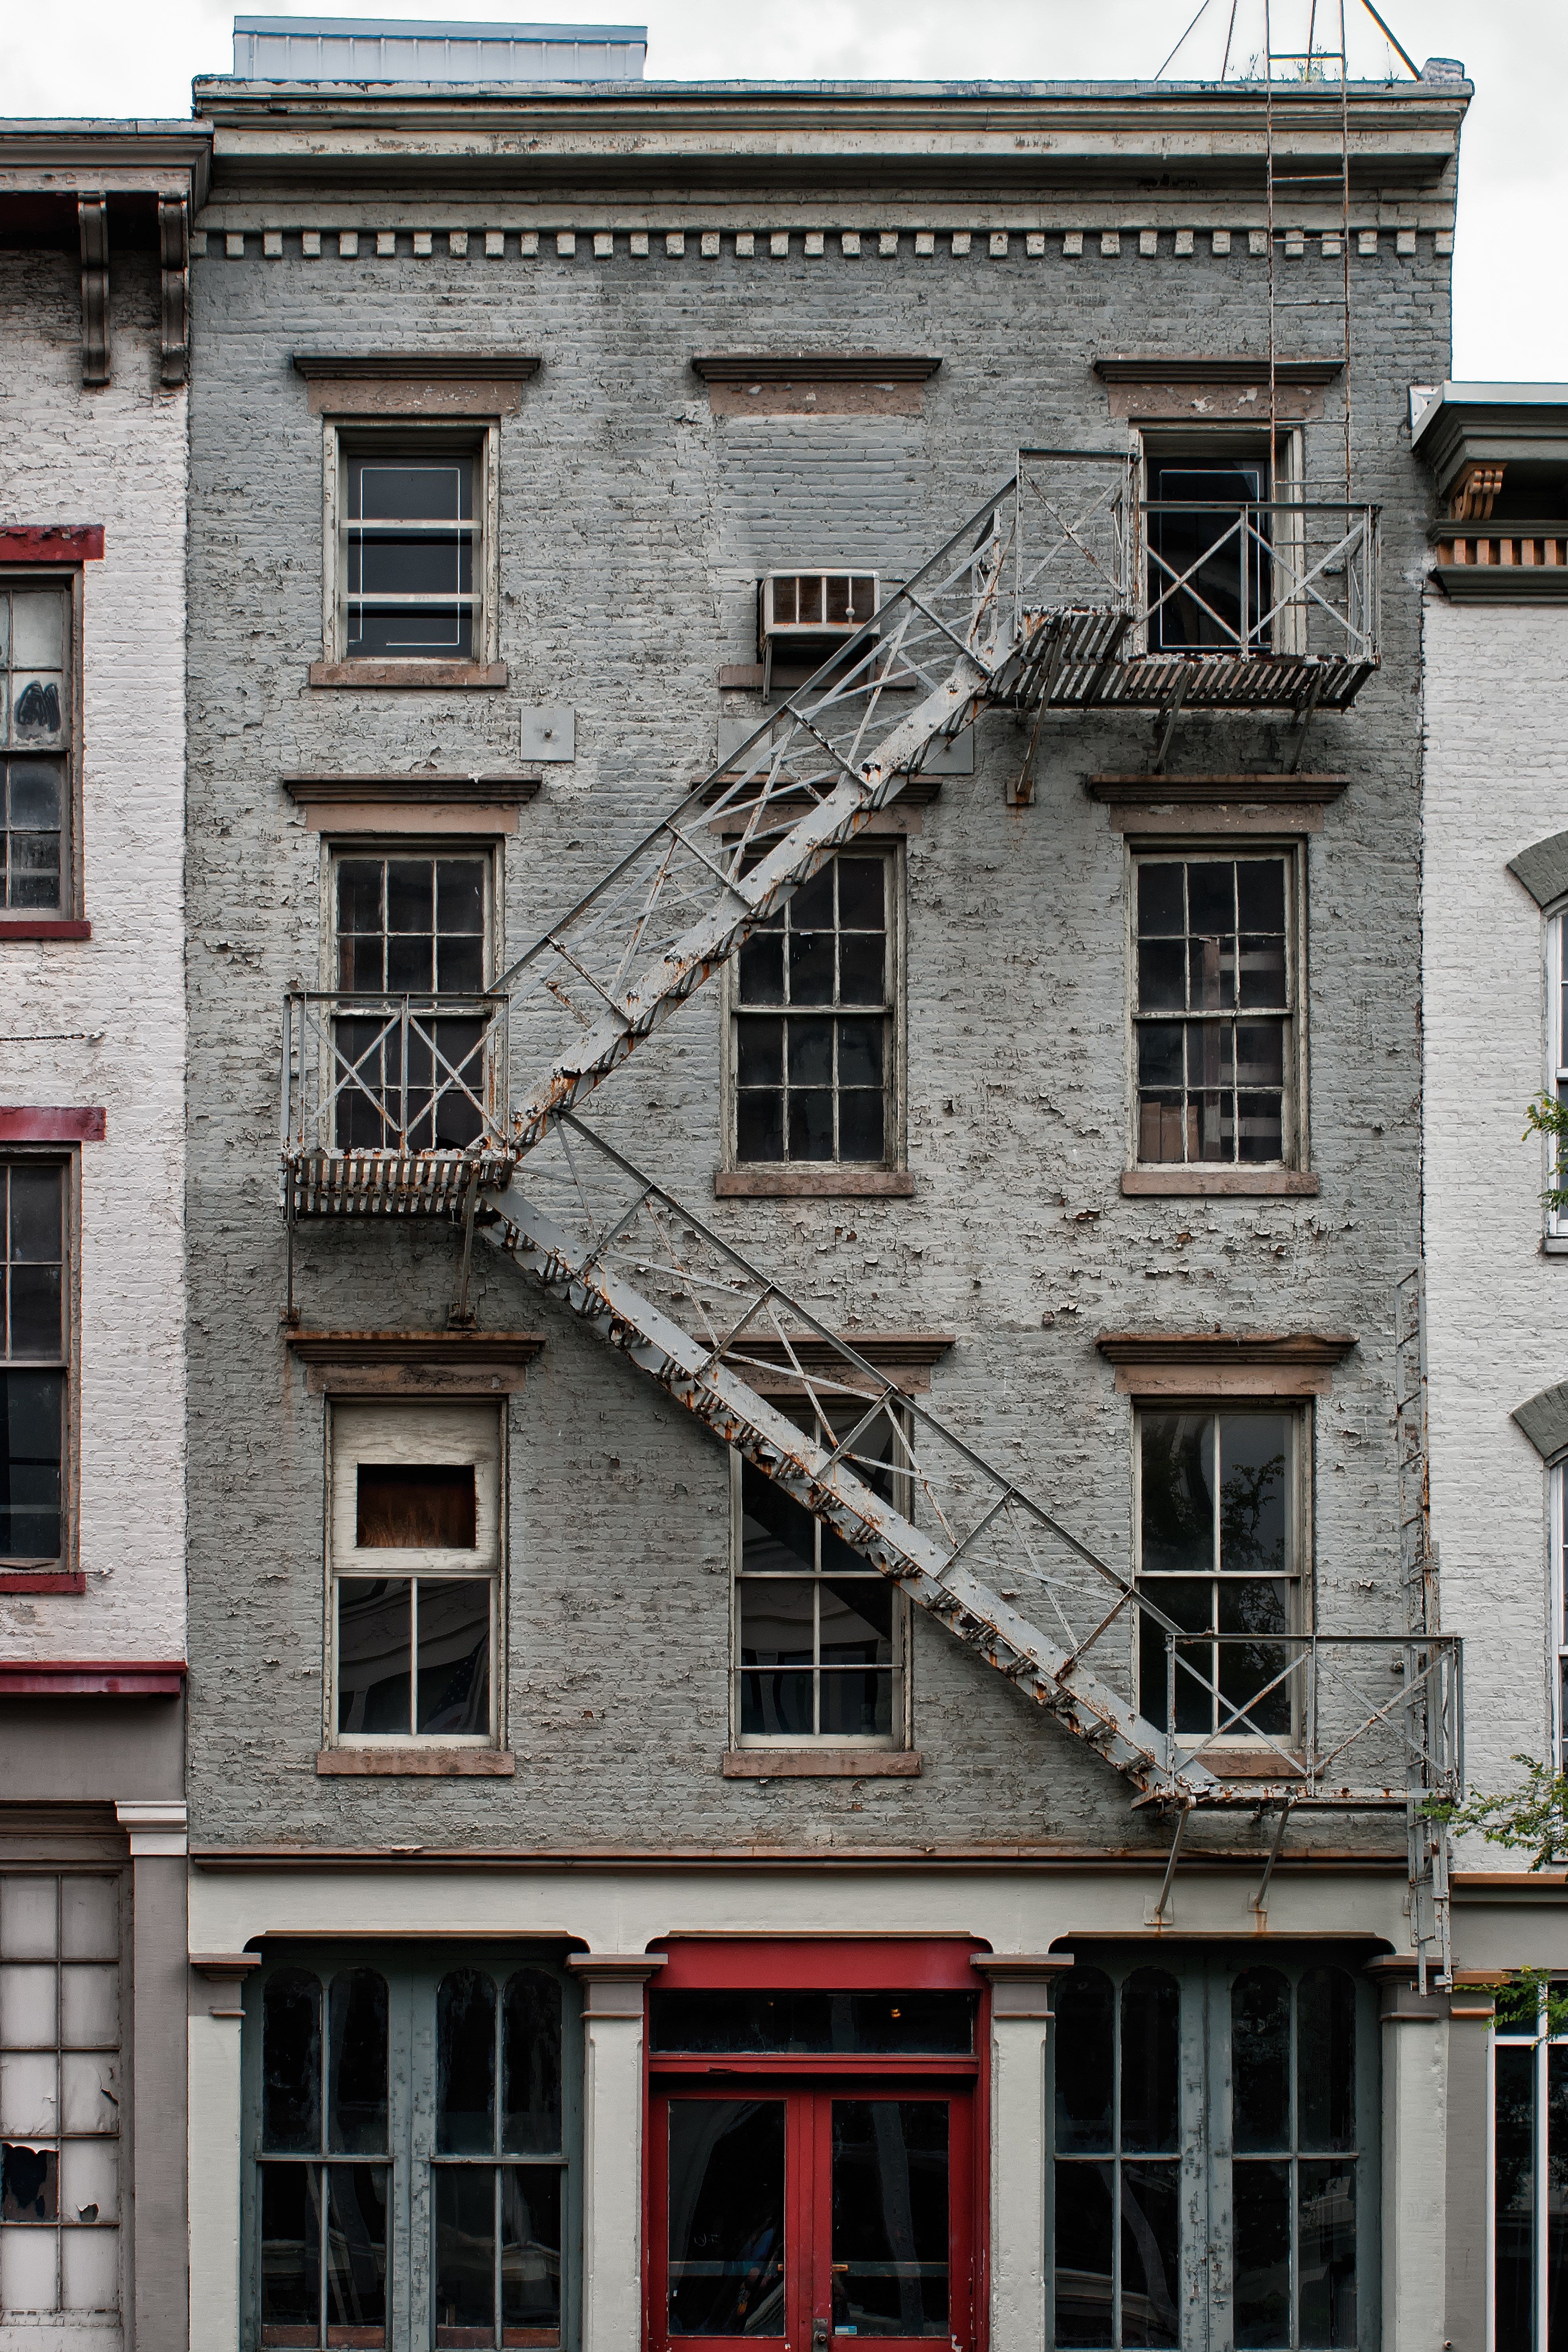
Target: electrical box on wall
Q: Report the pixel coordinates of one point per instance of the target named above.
(550, 733)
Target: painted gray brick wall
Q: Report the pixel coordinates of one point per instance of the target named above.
(633, 527)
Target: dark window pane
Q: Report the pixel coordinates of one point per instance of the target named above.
(862, 1126)
(465, 2063)
(811, 908)
(881, 2024)
(465, 2254)
(530, 2254)
(1326, 2260)
(410, 963)
(810, 1052)
(1160, 1061)
(1325, 2060)
(861, 901)
(1210, 897)
(356, 2063)
(290, 2252)
(1161, 976)
(1254, 1680)
(778, 1706)
(29, 2183)
(777, 1620)
(1260, 894)
(860, 1053)
(531, 2064)
(1177, 1514)
(453, 1667)
(1260, 2061)
(726, 2217)
(759, 1053)
(1085, 2061)
(460, 967)
(292, 2062)
(374, 1641)
(1151, 2019)
(810, 1125)
(1150, 2253)
(35, 1328)
(31, 1426)
(415, 1505)
(1084, 2281)
(411, 490)
(37, 1194)
(862, 969)
(759, 1127)
(776, 1530)
(1260, 1054)
(855, 1621)
(1262, 971)
(357, 2253)
(890, 2217)
(1211, 975)
(1188, 1602)
(1160, 911)
(761, 969)
(1260, 2219)
(810, 967)
(853, 1706)
(1556, 2197)
(460, 894)
(360, 894)
(1514, 2161)
(35, 796)
(1254, 1496)
(1260, 1127)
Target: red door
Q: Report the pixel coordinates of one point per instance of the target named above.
(809, 2214)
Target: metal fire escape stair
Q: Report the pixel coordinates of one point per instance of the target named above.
(1028, 608)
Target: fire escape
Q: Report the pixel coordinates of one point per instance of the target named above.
(469, 1110)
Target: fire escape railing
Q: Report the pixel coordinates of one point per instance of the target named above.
(393, 1090)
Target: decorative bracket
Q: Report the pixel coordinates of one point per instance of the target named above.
(1471, 499)
(92, 219)
(174, 249)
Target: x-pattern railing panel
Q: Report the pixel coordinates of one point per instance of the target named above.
(385, 1072)
(964, 1538)
(1289, 544)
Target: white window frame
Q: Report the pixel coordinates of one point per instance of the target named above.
(337, 846)
(345, 436)
(901, 1736)
(1541, 2043)
(1555, 1079)
(1557, 1612)
(363, 1429)
(1299, 1420)
(894, 1135)
(1146, 849)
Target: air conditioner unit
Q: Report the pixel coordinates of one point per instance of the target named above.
(802, 617)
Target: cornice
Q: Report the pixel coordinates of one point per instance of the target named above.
(471, 1351)
(418, 366)
(1317, 1350)
(120, 158)
(816, 367)
(1231, 367)
(413, 790)
(1280, 789)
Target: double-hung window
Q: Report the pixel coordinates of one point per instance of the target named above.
(1216, 1021)
(35, 1363)
(415, 1558)
(1557, 1061)
(1530, 2156)
(411, 555)
(1213, 2136)
(415, 1040)
(1220, 1550)
(37, 728)
(411, 2124)
(815, 1038)
(820, 1636)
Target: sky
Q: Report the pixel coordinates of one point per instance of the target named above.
(111, 58)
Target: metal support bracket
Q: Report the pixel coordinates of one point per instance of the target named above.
(92, 220)
(461, 1317)
(1169, 716)
(1303, 720)
(291, 1314)
(1163, 1911)
(1259, 1902)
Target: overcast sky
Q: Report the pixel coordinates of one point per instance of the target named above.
(114, 57)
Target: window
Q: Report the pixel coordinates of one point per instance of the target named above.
(60, 2097)
(1286, 2178)
(414, 1067)
(1215, 1028)
(1216, 544)
(1219, 1550)
(1557, 1034)
(414, 1587)
(412, 555)
(1529, 2157)
(816, 1044)
(411, 2125)
(36, 729)
(820, 1636)
(36, 1364)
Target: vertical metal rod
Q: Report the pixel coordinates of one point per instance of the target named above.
(1269, 211)
(1156, 1918)
(1261, 1900)
(1345, 226)
(403, 1089)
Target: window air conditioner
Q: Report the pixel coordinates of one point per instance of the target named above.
(802, 617)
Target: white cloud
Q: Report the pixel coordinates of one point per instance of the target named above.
(103, 57)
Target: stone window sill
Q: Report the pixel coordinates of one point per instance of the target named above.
(407, 674)
(821, 1764)
(1554, 1245)
(43, 1580)
(44, 927)
(418, 1763)
(819, 1183)
(1238, 1184)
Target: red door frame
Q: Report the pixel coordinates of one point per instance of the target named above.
(882, 1963)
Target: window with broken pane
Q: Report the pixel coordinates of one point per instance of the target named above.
(411, 1053)
(416, 1554)
(35, 716)
(1214, 1018)
(814, 998)
(34, 1362)
(59, 2098)
(819, 1634)
(1219, 1552)
(1214, 2138)
(414, 2121)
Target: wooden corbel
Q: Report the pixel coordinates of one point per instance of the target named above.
(1471, 499)
(92, 219)
(174, 248)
